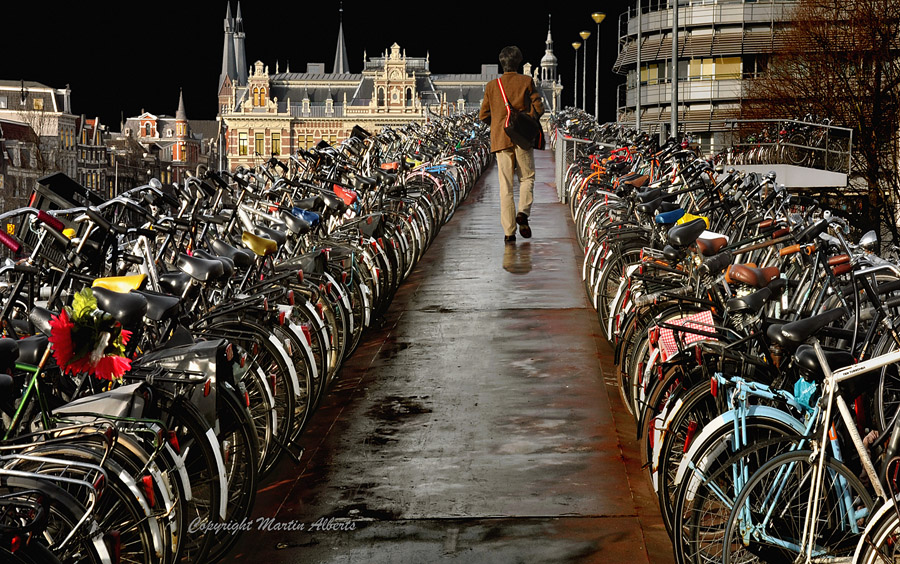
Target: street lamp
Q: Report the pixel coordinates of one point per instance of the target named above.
(584, 35)
(597, 17)
(576, 45)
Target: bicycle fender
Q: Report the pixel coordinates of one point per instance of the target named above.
(292, 372)
(727, 419)
(220, 465)
(875, 518)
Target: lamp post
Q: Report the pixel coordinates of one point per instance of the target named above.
(584, 36)
(576, 45)
(597, 17)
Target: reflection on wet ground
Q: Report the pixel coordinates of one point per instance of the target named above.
(517, 258)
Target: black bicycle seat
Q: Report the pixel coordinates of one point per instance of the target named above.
(128, 309)
(686, 233)
(800, 331)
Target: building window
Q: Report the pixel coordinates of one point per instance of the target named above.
(147, 130)
(259, 146)
(242, 144)
(4, 102)
(262, 97)
(38, 104)
(276, 143)
(168, 133)
(409, 97)
(381, 96)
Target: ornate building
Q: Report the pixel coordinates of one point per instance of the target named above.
(169, 139)
(48, 111)
(278, 113)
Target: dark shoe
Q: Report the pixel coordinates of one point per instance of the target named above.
(524, 228)
(507, 239)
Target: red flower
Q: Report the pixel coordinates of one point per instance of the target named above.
(61, 338)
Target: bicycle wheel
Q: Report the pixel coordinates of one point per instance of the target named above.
(702, 506)
(767, 521)
(882, 545)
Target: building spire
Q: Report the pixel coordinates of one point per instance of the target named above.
(240, 51)
(229, 69)
(341, 62)
(180, 115)
(549, 61)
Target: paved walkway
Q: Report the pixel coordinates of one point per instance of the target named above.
(475, 425)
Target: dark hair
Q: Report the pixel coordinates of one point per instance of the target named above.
(510, 58)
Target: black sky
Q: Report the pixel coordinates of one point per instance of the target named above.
(122, 57)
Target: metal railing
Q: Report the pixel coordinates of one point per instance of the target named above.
(567, 150)
(794, 142)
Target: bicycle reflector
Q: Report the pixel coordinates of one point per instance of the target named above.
(714, 386)
(114, 541)
(691, 431)
(654, 336)
(15, 544)
(207, 388)
(290, 297)
(147, 486)
(173, 442)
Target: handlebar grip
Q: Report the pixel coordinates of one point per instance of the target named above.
(789, 250)
(10, 242)
(49, 220)
(98, 219)
(838, 260)
(781, 233)
(842, 269)
(61, 239)
(766, 223)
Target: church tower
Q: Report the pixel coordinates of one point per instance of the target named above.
(240, 53)
(341, 62)
(229, 68)
(549, 62)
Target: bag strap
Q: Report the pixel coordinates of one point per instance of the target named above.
(505, 101)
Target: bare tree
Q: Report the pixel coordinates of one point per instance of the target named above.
(841, 60)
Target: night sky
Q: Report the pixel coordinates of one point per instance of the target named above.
(123, 57)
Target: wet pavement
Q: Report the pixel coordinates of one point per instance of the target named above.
(474, 425)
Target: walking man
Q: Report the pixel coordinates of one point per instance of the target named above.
(523, 96)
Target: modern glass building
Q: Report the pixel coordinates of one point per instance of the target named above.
(722, 44)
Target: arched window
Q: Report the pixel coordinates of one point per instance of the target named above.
(147, 130)
(409, 97)
(381, 96)
(255, 96)
(262, 97)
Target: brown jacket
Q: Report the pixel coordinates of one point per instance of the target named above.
(522, 96)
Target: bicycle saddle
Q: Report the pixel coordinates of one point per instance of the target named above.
(650, 207)
(808, 362)
(242, 258)
(667, 206)
(639, 181)
(160, 306)
(297, 225)
(311, 217)
(121, 283)
(200, 269)
(260, 245)
(669, 217)
(333, 202)
(649, 195)
(751, 303)
(128, 308)
(803, 329)
(751, 275)
(175, 283)
(280, 237)
(686, 233)
(711, 246)
(227, 263)
(31, 349)
(309, 204)
(364, 181)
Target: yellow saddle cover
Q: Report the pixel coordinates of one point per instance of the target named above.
(121, 284)
(260, 245)
(689, 217)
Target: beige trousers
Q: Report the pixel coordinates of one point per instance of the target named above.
(521, 162)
